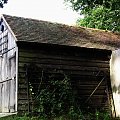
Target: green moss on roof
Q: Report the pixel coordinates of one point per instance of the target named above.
(31, 30)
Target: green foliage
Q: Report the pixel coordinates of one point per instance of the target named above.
(101, 18)
(102, 14)
(72, 115)
(55, 96)
(2, 2)
(99, 116)
(56, 99)
(15, 117)
(86, 5)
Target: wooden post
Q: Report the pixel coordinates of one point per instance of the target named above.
(27, 80)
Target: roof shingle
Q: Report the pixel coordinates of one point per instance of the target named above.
(31, 30)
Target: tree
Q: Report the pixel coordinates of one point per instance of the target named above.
(101, 18)
(86, 5)
(102, 14)
(2, 2)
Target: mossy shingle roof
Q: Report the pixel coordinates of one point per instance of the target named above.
(30, 30)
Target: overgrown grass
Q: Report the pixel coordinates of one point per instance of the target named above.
(89, 116)
(15, 117)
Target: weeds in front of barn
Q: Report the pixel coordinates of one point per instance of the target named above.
(57, 101)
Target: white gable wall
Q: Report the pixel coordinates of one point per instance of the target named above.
(8, 71)
(115, 81)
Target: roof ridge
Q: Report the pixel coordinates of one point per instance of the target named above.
(34, 19)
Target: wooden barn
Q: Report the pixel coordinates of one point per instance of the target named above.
(29, 48)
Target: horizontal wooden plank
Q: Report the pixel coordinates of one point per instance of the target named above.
(88, 93)
(22, 96)
(89, 82)
(94, 96)
(22, 80)
(70, 68)
(22, 91)
(63, 62)
(82, 64)
(74, 73)
(56, 56)
(23, 101)
(23, 86)
(22, 108)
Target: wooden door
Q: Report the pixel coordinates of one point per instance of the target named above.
(8, 87)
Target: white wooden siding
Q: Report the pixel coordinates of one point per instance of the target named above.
(7, 71)
(115, 81)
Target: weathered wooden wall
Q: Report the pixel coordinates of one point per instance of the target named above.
(87, 68)
(7, 71)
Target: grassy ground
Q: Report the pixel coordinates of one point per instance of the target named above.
(19, 118)
(102, 116)
(36, 118)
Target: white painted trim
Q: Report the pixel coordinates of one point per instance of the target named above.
(16, 109)
(7, 114)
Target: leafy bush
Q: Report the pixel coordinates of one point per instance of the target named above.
(56, 98)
